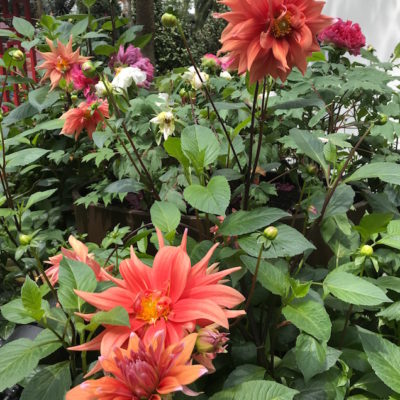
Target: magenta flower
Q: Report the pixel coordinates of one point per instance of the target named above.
(133, 57)
(344, 35)
(82, 82)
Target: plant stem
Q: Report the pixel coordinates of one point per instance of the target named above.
(254, 280)
(264, 106)
(208, 95)
(249, 172)
(4, 85)
(125, 129)
(339, 178)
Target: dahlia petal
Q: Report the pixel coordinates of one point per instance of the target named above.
(108, 299)
(222, 295)
(171, 267)
(168, 384)
(114, 336)
(135, 273)
(189, 310)
(187, 374)
(187, 349)
(160, 238)
(93, 344)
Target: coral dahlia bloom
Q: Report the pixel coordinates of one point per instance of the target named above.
(271, 36)
(145, 370)
(172, 296)
(345, 35)
(59, 62)
(86, 116)
(80, 253)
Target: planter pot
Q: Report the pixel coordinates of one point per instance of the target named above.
(323, 254)
(97, 220)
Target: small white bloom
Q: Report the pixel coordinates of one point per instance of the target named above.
(192, 77)
(164, 100)
(166, 122)
(126, 76)
(101, 90)
(226, 75)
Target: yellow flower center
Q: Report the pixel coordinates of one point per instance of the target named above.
(281, 26)
(151, 306)
(62, 65)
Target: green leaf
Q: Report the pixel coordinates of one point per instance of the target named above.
(14, 311)
(311, 356)
(118, 316)
(271, 277)
(288, 243)
(104, 50)
(385, 171)
(24, 157)
(38, 197)
(80, 27)
(141, 41)
(25, 110)
(373, 223)
(173, 147)
(23, 27)
(309, 316)
(311, 146)
(244, 373)
(32, 298)
(354, 290)
(391, 313)
(124, 186)
(74, 275)
(242, 222)
(256, 390)
(213, 199)
(200, 146)
(89, 3)
(18, 359)
(384, 357)
(165, 216)
(50, 383)
(42, 98)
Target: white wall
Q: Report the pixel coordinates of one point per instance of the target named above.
(379, 21)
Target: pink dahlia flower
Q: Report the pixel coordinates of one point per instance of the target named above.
(172, 296)
(344, 35)
(80, 253)
(146, 370)
(133, 57)
(270, 37)
(82, 82)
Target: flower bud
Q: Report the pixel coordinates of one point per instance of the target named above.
(17, 55)
(312, 169)
(88, 69)
(383, 118)
(270, 232)
(366, 250)
(24, 239)
(74, 98)
(210, 340)
(169, 20)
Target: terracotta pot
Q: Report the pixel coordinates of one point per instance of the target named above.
(97, 220)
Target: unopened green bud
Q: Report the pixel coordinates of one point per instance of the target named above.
(17, 55)
(74, 98)
(271, 232)
(88, 69)
(169, 20)
(383, 119)
(312, 169)
(24, 239)
(366, 250)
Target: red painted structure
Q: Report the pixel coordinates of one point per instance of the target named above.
(8, 10)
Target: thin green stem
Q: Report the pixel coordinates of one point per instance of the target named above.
(254, 280)
(208, 95)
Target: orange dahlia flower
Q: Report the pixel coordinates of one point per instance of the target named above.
(86, 116)
(146, 370)
(80, 253)
(172, 296)
(271, 36)
(59, 62)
